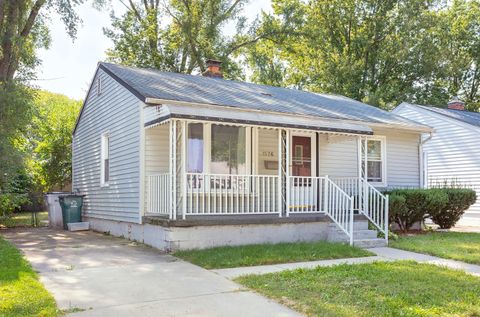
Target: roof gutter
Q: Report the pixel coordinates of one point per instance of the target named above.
(415, 128)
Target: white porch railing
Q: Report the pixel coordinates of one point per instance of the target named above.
(351, 186)
(368, 200)
(158, 194)
(375, 207)
(321, 194)
(223, 194)
(305, 194)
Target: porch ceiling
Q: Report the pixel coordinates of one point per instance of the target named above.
(230, 115)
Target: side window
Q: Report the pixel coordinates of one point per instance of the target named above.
(375, 164)
(105, 160)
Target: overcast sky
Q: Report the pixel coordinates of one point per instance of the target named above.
(67, 67)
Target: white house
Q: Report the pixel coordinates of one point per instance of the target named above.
(183, 161)
(452, 153)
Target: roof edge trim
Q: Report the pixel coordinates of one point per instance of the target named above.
(257, 123)
(417, 128)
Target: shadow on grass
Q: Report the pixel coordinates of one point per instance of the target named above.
(21, 293)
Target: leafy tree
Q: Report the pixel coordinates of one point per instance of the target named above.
(381, 52)
(49, 140)
(179, 35)
(457, 70)
(23, 29)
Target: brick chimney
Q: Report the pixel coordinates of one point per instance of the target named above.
(213, 69)
(456, 104)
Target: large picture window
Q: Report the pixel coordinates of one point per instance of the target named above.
(228, 147)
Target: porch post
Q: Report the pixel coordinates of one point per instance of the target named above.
(184, 169)
(280, 166)
(359, 180)
(173, 169)
(287, 173)
(365, 175)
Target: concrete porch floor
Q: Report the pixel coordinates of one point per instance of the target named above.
(107, 276)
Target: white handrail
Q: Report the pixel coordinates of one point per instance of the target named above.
(368, 200)
(375, 207)
(339, 207)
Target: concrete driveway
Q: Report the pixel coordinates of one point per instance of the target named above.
(106, 276)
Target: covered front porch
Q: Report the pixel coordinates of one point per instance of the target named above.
(209, 169)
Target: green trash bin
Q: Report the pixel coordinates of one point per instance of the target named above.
(71, 209)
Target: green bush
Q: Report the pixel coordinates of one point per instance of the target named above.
(410, 206)
(9, 202)
(459, 200)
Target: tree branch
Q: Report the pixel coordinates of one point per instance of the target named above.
(31, 18)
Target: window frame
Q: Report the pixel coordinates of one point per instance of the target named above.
(207, 150)
(210, 148)
(104, 155)
(383, 158)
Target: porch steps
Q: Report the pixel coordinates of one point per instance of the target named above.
(363, 237)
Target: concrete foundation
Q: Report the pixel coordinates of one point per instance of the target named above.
(170, 238)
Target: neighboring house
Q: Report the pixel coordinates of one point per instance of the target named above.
(451, 155)
(183, 161)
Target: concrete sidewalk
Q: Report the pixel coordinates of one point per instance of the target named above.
(382, 254)
(107, 276)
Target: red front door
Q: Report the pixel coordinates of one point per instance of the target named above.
(301, 156)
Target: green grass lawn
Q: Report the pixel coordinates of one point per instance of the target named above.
(21, 293)
(403, 288)
(462, 246)
(24, 219)
(262, 254)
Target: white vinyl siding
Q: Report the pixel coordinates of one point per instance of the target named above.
(338, 156)
(156, 149)
(151, 113)
(403, 161)
(267, 151)
(453, 151)
(117, 111)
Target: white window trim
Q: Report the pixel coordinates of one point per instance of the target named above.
(104, 137)
(383, 144)
(207, 146)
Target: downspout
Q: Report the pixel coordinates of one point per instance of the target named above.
(421, 156)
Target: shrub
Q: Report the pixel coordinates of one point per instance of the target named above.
(9, 202)
(410, 206)
(459, 200)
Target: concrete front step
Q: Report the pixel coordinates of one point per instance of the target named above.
(370, 243)
(339, 235)
(357, 225)
(362, 236)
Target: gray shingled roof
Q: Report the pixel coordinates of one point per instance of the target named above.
(151, 83)
(469, 117)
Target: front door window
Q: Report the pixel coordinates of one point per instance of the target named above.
(302, 156)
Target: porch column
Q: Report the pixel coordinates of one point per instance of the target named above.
(183, 171)
(280, 177)
(173, 169)
(287, 172)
